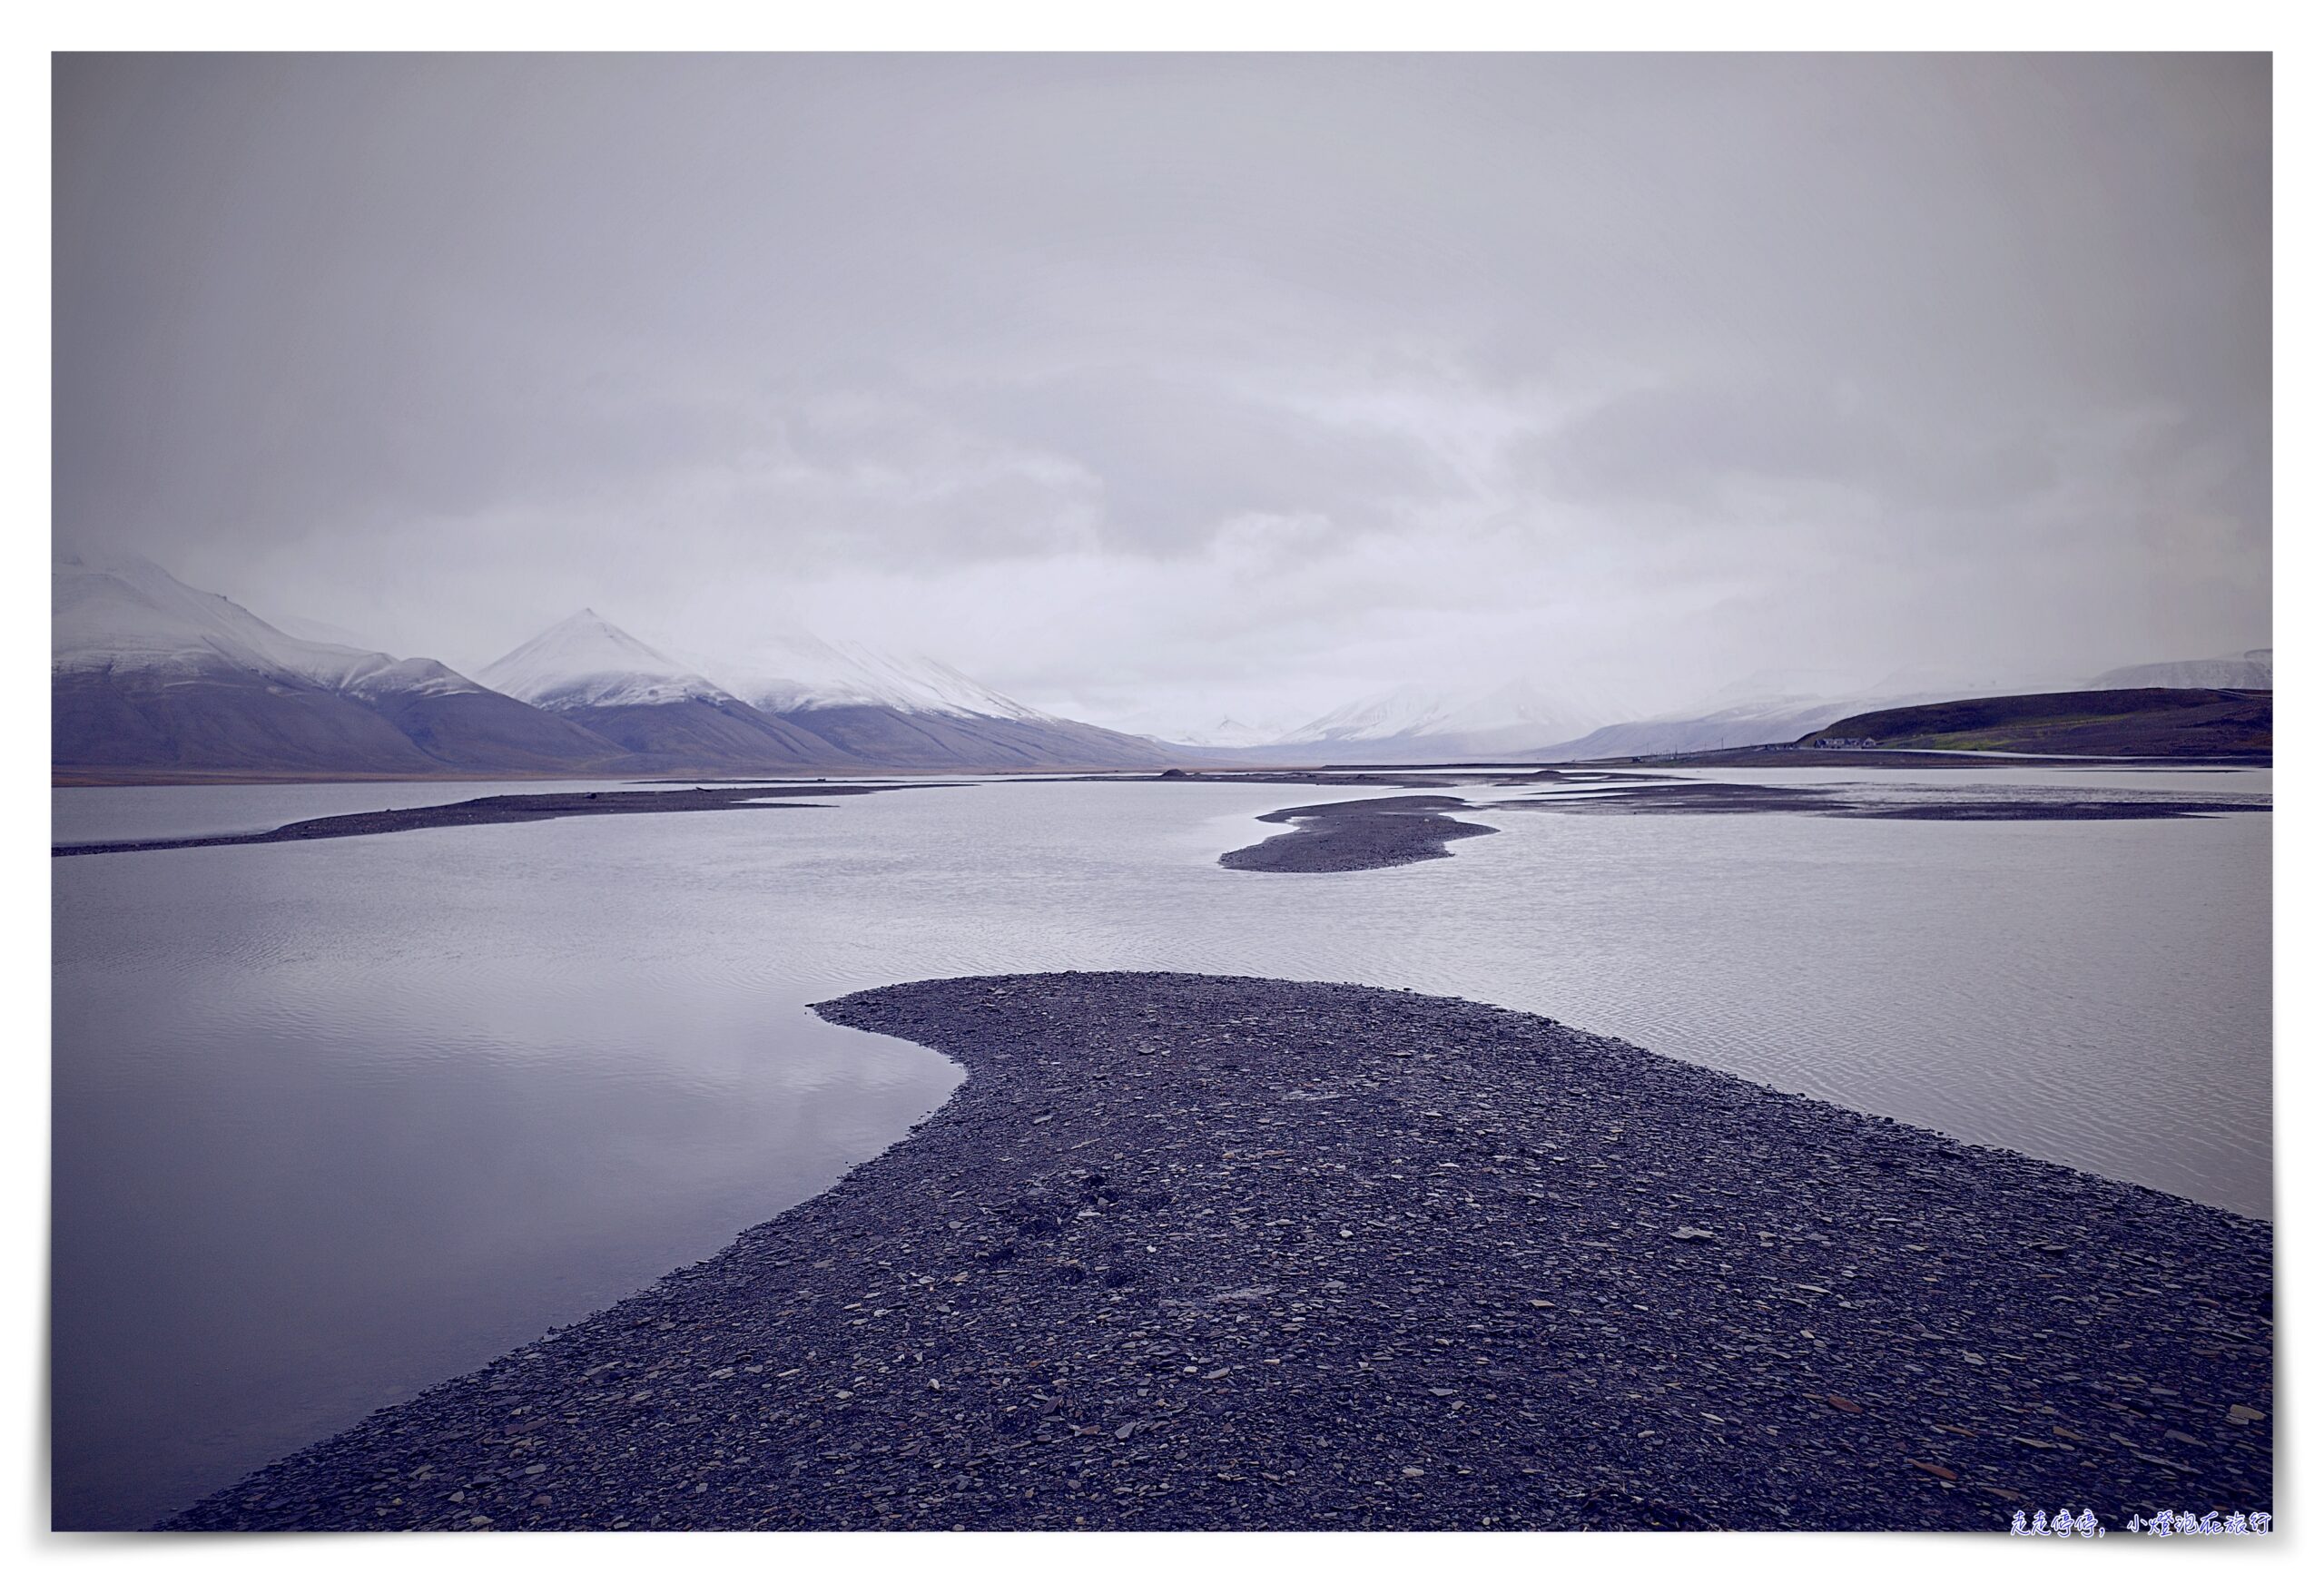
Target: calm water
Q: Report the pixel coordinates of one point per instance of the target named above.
(335, 1120)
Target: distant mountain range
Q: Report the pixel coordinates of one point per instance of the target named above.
(1533, 723)
(1782, 716)
(151, 677)
(1513, 717)
(1419, 724)
(2253, 669)
(1736, 725)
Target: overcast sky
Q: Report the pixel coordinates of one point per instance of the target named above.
(1153, 389)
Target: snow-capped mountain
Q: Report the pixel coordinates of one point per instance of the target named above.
(798, 670)
(1400, 712)
(150, 677)
(2253, 669)
(148, 674)
(802, 703)
(1418, 721)
(585, 661)
(1225, 732)
(586, 670)
(917, 712)
(126, 615)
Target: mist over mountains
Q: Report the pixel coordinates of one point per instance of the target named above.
(150, 676)
(2253, 668)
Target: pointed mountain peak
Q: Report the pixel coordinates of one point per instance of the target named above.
(586, 662)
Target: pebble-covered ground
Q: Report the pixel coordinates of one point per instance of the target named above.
(1189, 1252)
(1335, 838)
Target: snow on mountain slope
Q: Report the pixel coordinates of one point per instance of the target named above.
(802, 701)
(917, 712)
(2252, 669)
(148, 676)
(1410, 711)
(1224, 732)
(322, 631)
(1511, 717)
(124, 614)
(585, 661)
(1767, 720)
(797, 671)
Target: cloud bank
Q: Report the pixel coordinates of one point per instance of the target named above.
(1174, 387)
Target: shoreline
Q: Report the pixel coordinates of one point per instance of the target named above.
(1212, 1253)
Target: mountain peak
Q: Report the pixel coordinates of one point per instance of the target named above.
(123, 613)
(585, 661)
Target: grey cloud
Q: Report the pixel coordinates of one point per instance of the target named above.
(1689, 446)
(425, 345)
(1175, 460)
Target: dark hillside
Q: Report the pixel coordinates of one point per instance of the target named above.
(2137, 721)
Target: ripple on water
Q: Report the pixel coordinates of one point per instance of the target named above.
(335, 1120)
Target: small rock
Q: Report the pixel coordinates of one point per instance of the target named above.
(1693, 1233)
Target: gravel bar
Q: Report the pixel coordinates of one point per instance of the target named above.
(516, 809)
(1976, 804)
(1210, 1252)
(1337, 838)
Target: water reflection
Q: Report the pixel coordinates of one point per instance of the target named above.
(335, 1120)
